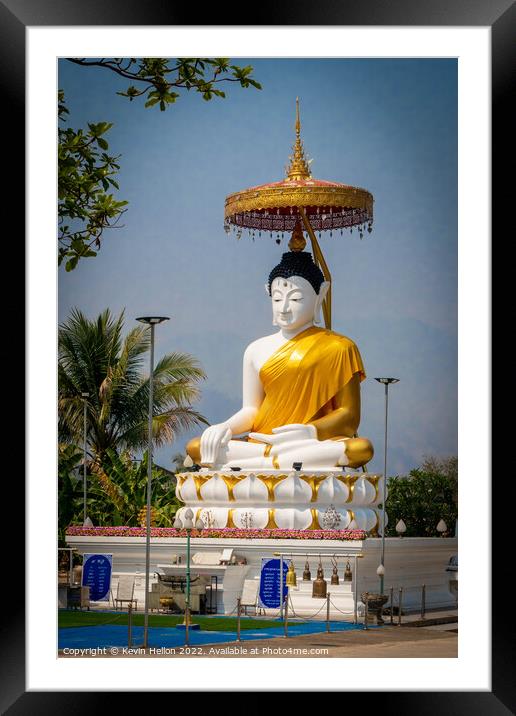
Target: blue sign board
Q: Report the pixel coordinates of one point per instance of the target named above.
(96, 574)
(269, 592)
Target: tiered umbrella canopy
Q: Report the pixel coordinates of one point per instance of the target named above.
(300, 200)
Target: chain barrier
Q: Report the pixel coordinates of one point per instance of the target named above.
(265, 616)
(308, 618)
(340, 610)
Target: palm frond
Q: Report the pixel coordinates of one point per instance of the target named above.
(165, 427)
(95, 358)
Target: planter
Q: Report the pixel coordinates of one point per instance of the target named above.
(375, 604)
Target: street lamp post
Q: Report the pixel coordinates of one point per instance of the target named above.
(85, 396)
(187, 524)
(386, 382)
(150, 321)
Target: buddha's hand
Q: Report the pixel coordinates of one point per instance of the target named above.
(212, 439)
(285, 437)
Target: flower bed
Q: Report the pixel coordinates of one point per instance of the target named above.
(217, 533)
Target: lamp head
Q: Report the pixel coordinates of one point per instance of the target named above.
(152, 320)
(442, 527)
(388, 381)
(401, 528)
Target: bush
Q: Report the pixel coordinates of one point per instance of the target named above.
(423, 497)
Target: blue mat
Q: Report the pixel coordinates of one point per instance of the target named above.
(107, 635)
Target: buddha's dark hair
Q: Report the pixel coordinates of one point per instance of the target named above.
(297, 263)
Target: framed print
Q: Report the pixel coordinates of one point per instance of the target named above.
(45, 34)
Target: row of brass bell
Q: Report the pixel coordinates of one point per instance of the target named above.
(319, 587)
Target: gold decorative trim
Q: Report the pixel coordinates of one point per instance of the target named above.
(349, 480)
(270, 482)
(271, 524)
(315, 520)
(275, 463)
(231, 481)
(374, 480)
(181, 479)
(314, 482)
(199, 481)
(288, 194)
(230, 522)
(267, 450)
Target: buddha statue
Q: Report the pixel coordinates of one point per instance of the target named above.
(301, 386)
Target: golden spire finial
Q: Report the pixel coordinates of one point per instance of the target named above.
(298, 168)
(297, 241)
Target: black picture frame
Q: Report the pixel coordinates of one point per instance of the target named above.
(500, 16)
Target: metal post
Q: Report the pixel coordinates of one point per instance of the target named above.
(285, 623)
(85, 490)
(366, 612)
(400, 600)
(328, 612)
(386, 382)
(149, 490)
(355, 589)
(70, 566)
(188, 574)
(187, 624)
(392, 605)
(382, 561)
(281, 586)
(423, 601)
(238, 618)
(130, 625)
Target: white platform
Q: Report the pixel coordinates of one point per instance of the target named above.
(281, 499)
(409, 563)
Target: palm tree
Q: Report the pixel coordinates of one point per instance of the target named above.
(121, 492)
(70, 488)
(94, 358)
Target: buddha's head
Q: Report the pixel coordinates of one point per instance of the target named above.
(297, 289)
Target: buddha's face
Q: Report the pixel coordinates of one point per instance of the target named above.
(294, 302)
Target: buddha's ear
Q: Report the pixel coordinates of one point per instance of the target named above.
(266, 286)
(323, 290)
(325, 287)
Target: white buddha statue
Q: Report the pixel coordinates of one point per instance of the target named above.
(301, 387)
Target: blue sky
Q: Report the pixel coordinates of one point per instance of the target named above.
(387, 125)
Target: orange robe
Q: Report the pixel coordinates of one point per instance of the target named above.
(301, 378)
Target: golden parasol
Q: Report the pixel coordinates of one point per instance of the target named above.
(300, 200)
